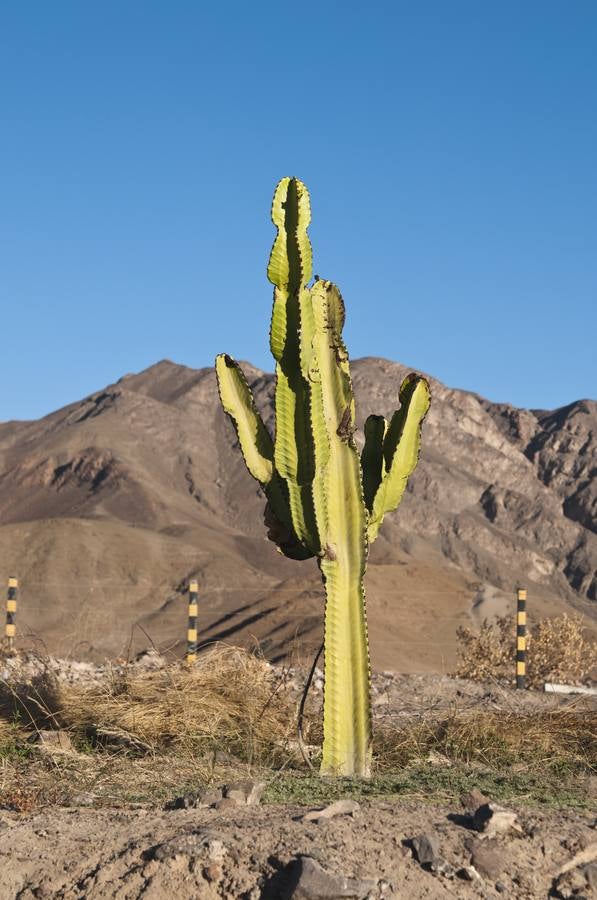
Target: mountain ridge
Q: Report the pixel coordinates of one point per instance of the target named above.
(141, 484)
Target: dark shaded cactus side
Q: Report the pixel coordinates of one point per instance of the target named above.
(322, 499)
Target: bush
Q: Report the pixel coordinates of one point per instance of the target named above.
(557, 650)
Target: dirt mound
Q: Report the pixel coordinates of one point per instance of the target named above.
(109, 506)
(271, 852)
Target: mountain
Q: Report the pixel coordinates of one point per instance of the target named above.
(110, 505)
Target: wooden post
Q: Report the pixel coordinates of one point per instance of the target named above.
(521, 638)
(192, 628)
(11, 612)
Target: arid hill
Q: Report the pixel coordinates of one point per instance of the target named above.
(109, 506)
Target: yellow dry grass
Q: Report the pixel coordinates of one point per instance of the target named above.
(227, 701)
(543, 737)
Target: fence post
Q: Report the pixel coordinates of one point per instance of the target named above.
(192, 629)
(11, 612)
(521, 638)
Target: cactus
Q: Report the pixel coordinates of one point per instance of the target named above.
(322, 499)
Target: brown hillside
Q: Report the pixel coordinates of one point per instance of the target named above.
(110, 505)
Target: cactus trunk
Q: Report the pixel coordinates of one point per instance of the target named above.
(323, 500)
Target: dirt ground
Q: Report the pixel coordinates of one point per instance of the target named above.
(105, 827)
(249, 853)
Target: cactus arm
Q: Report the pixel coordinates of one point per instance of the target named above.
(290, 268)
(291, 260)
(347, 714)
(237, 400)
(401, 448)
(258, 452)
(372, 459)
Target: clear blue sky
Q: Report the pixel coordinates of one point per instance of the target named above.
(450, 149)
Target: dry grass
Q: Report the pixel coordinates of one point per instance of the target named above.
(566, 736)
(143, 736)
(228, 701)
(557, 650)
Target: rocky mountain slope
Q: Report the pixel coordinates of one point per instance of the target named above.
(110, 505)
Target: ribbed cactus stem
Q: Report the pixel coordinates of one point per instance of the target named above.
(323, 500)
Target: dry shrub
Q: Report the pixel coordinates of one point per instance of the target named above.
(557, 650)
(228, 700)
(539, 737)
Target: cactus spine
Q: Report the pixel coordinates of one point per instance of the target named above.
(322, 499)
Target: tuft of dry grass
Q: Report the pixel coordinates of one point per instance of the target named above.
(534, 739)
(558, 649)
(228, 701)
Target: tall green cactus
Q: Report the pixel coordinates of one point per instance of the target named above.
(322, 499)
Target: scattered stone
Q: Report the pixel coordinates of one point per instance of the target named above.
(385, 889)
(426, 849)
(439, 866)
(492, 819)
(579, 883)
(339, 808)
(307, 880)
(501, 887)
(216, 849)
(245, 793)
(588, 855)
(472, 800)
(53, 741)
(197, 799)
(198, 843)
(468, 873)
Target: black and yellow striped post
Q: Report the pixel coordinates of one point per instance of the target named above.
(192, 629)
(521, 638)
(11, 612)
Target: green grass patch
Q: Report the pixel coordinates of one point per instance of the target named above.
(435, 784)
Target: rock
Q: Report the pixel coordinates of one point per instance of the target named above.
(53, 741)
(245, 793)
(339, 808)
(501, 887)
(468, 873)
(439, 866)
(426, 849)
(488, 859)
(472, 800)
(307, 880)
(579, 883)
(588, 855)
(578, 878)
(216, 849)
(493, 819)
(197, 799)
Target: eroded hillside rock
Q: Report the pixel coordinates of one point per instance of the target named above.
(109, 506)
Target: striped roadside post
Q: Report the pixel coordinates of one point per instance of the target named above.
(192, 629)
(521, 638)
(11, 612)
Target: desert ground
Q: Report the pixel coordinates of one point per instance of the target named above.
(152, 780)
